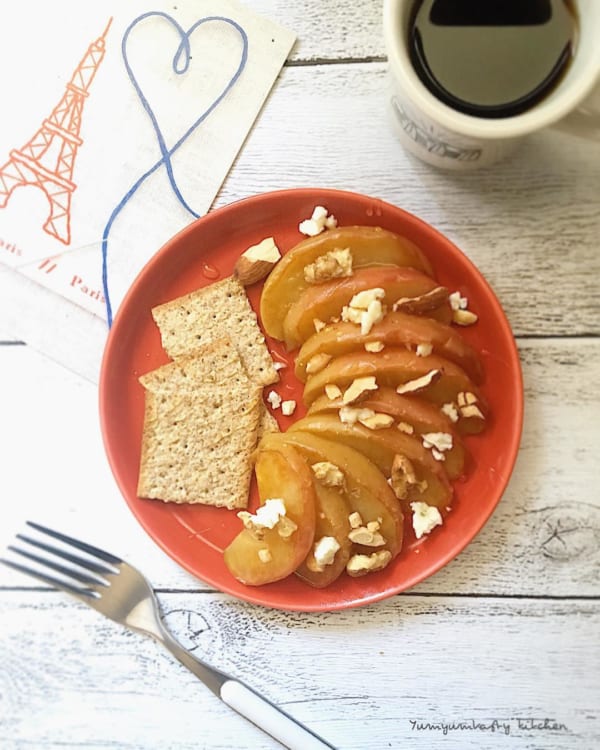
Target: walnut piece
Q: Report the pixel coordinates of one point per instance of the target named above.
(360, 565)
(334, 264)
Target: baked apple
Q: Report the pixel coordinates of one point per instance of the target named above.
(325, 301)
(411, 414)
(395, 330)
(368, 246)
(433, 378)
(269, 549)
(381, 447)
(366, 490)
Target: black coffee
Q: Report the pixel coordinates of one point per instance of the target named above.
(491, 58)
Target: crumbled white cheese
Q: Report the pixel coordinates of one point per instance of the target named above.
(355, 520)
(266, 516)
(365, 308)
(319, 221)
(424, 350)
(288, 408)
(324, 550)
(274, 399)
(264, 555)
(441, 441)
(457, 302)
(425, 518)
(374, 346)
(450, 410)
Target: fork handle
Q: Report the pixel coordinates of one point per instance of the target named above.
(243, 699)
(270, 718)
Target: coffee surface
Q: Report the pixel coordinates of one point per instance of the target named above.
(491, 58)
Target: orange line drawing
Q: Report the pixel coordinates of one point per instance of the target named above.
(47, 160)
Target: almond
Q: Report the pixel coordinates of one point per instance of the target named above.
(257, 261)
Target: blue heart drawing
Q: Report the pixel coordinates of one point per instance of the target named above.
(181, 62)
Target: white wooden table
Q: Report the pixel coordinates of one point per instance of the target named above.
(501, 649)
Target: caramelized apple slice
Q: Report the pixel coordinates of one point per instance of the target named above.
(410, 413)
(331, 521)
(395, 367)
(325, 301)
(381, 447)
(369, 246)
(395, 330)
(366, 490)
(263, 555)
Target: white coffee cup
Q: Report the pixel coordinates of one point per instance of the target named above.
(446, 138)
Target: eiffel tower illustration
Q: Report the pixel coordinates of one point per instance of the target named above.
(47, 160)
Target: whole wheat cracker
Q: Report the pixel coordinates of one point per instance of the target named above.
(190, 321)
(200, 429)
(188, 460)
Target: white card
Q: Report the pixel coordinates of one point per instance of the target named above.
(125, 118)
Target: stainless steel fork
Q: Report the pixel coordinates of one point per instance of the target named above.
(119, 591)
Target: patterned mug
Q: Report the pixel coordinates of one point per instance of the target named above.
(447, 138)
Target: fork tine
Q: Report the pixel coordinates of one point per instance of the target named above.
(54, 582)
(106, 556)
(68, 572)
(76, 559)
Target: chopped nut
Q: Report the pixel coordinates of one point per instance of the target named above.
(332, 391)
(424, 350)
(274, 399)
(264, 555)
(462, 398)
(419, 384)
(317, 362)
(422, 303)
(450, 410)
(464, 317)
(328, 474)
(374, 346)
(359, 565)
(437, 455)
(354, 520)
(441, 441)
(373, 526)
(359, 387)
(288, 408)
(403, 477)
(405, 427)
(286, 527)
(471, 411)
(257, 261)
(352, 414)
(471, 398)
(363, 536)
(318, 324)
(425, 518)
(334, 264)
(377, 421)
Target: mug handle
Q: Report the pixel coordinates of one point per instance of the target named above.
(585, 120)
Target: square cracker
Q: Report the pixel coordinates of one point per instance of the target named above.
(200, 429)
(188, 322)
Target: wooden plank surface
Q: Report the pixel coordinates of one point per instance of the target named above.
(500, 648)
(383, 676)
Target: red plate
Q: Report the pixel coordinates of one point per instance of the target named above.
(195, 536)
